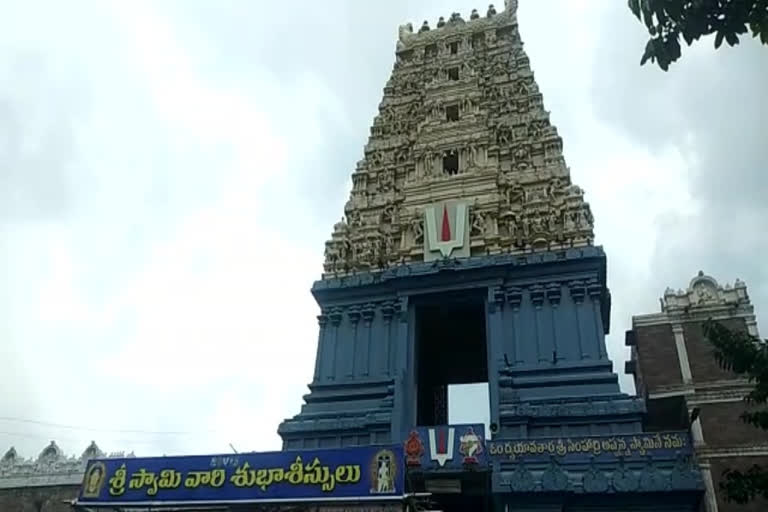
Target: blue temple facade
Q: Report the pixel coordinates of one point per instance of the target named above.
(466, 255)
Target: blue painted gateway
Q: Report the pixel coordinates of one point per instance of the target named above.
(466, 255)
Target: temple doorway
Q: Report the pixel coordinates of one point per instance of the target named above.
(451, 348)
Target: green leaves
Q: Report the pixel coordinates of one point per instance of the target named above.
(667, 20)
(744, 487)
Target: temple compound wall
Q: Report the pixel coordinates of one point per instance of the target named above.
(47, 483)
(676, 372)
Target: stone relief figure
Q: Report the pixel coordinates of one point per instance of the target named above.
(479, 225)
(535, 129)
(574, 191)
(704, 293)
(568, 222)
(429, 162)
(389, 215)
(465, 106)
(377, 158)
(355, 219)
(405, 34)
(512, 226)
(363, 252)
(521, 153)
(552, 221)
(386, 181)
(417, 229)
(515, 195)
(347, 255)
(553, 149)
(510, 6)
(555, 189)
(467, 70)
(331, 258)
(537, 194)
(526, 227)
(503, 134)
(469, 154)
(492, 93)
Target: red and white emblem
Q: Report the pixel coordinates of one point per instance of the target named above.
(447, 230)
(441, 444)
(414, 449)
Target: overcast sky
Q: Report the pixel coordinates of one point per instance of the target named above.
(170, 170)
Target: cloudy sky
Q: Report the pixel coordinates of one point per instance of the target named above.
(170, 170)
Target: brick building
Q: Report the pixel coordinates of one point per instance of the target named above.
(675, 371)
(45, 484)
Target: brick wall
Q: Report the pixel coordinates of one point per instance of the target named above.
(38, 499)
(704, 368)
(722, 427)
(717, 466)
(657, 356)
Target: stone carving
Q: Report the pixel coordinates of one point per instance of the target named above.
(624, 480)
(685, 475)
(594, 480)
(651, 479)
(554, 478)
(478, 224)
(521, 479)
(705, 293)
(51, 467)
(417, 229)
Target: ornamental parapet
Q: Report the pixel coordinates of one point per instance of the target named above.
(578, 409)
(455, 24)
(704, 292)
(51, 467)
(335, 423)
(457, 265)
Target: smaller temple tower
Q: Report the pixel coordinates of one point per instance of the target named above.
(675, 371)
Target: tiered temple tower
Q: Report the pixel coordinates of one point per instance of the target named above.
(465, 255)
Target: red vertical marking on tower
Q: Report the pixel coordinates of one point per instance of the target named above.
(445, 235)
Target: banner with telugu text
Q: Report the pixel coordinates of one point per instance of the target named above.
(661, 445)
(349, 474)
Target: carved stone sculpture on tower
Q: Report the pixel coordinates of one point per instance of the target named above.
(461, 119)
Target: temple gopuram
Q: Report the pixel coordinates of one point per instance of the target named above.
(465, 255)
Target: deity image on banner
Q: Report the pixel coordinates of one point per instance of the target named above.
(383, 472)
(94, 480)
(471, 445)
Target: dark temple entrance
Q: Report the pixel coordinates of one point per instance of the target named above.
(451, 348)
